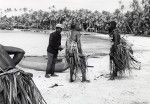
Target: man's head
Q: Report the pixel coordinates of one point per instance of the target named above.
(59, 28)
(73, 26)
(111, 26)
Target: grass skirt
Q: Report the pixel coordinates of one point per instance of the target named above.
(121, 58)
(17, 87)
(75, 59)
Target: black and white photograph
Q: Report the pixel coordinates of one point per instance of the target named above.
(74, 51)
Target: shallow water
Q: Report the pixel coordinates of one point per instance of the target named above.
(35, 44)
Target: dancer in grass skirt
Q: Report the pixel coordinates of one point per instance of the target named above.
(121, 54)
(74, 56)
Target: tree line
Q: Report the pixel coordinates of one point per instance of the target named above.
(135, 21)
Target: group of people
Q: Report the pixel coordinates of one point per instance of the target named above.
(121, 60)
(74, 56)
(121, 53)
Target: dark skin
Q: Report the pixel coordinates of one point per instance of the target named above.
(116, 40)
(58, 29)
(17, 52)
(7, 62)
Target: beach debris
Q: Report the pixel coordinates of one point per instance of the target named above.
(55, 85)
(89, 66)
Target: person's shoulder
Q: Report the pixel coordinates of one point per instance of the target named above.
(53, 33)
(1, 45)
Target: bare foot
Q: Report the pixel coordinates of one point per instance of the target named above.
(71, 80)
(54, 75)
(111, 78)
(47, 75)
(85, 81)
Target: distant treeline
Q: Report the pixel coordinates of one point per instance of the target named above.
(135, 21)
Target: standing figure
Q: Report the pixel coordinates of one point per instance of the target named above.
(121, 53)
(74, 56)
(52, 50)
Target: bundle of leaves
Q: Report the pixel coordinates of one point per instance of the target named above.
(133, 62)
(17, 87)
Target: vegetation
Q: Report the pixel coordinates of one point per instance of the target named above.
(136, 21)
(17, 87)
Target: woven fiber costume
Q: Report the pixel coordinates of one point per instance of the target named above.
(75, 59)
(121, 56)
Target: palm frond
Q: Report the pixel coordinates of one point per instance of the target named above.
(123, 57)
(19, 88)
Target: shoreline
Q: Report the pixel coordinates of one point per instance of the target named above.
(63, 32)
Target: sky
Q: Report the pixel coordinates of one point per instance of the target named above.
(100, 5)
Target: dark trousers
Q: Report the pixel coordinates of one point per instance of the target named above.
(51, 63)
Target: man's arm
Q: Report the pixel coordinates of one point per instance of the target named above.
(60, 48)
(17, 52)
(79, 43)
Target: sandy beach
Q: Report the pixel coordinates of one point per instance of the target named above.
(133, 88)
(27, 25)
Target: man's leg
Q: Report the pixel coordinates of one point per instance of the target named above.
(83, 70)
(53, 66)
(114, 70)
(49, 64)
(84, 79)
(71, 65)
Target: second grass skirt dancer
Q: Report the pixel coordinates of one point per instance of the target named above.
(121, 54)
(74, 56)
